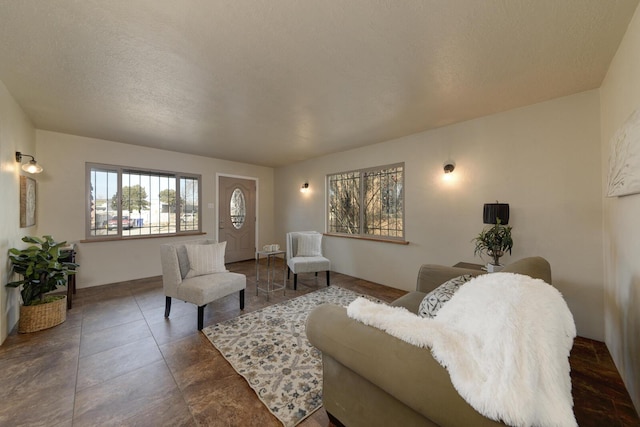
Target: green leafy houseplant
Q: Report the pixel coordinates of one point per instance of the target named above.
(494, 241)
(40, 268)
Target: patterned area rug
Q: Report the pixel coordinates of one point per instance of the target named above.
(269, 348)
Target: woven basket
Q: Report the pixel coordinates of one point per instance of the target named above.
(43, 316)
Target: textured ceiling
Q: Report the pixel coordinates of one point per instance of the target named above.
(273, 82)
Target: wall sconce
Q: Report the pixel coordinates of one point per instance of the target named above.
(494, 211)
(449, 167)
(32, 166)
(304, 188)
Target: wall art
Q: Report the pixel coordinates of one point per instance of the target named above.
(624, 158)
(27, 202)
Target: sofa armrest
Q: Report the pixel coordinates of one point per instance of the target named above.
(431, 276)
(408, 373)
(535, 266)
(171, 276)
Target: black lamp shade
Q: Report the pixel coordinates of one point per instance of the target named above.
(493, 211)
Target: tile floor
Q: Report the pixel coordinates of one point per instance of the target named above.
(117, 361)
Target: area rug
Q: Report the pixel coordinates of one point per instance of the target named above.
(269, 348)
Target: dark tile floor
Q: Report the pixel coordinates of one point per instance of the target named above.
(117, 361)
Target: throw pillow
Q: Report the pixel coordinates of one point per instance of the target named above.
(435, 299)
(206, 259)
(309, 245)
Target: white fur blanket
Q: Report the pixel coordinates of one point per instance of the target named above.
(505, 340)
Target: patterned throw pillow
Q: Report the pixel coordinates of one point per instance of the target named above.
(309, 245)
(435, 299)
(206, 259)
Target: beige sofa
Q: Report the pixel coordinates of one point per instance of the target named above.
(373, 379)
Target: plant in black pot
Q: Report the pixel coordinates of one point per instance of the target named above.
(494, 241)
(42, 271)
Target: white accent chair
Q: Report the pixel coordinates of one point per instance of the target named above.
(198, 290)
(304, 255)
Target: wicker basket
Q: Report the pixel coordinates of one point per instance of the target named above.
(43, 316)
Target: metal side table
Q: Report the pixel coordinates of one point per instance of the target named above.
(271, 285)
(68, 254)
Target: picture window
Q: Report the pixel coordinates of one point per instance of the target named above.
(367, 202)
(127, 202)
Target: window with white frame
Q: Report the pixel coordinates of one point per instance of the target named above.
(127, 202)
(367, 202)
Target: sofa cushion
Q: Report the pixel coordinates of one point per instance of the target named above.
(201, 290)
(309, 264)
(206, 259)
(435, 299)
(309, 245)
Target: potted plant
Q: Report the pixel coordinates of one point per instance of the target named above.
(494, 241)
(42, 271)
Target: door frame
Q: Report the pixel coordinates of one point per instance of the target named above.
(217, 223)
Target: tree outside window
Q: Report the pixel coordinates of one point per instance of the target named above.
(133, 199)
(367, 202)
(168, 198)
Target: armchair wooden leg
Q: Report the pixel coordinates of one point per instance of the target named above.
(201, 316)
(167, 307)
(316, 274)
(288, 273)
(242, 299)
(295, 282)
(328, 282)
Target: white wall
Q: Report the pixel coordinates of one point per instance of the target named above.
(620, 96)
(16, 134)
(62, 201)
(544, 160)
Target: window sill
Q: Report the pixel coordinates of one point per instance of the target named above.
(371, 239)
(146, 236)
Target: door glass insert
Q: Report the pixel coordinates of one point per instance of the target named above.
(237, 208)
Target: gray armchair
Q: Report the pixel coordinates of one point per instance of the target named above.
(304, 255)
(199, 289)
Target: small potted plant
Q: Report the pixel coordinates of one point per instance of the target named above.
(494, 241)
(42, 271)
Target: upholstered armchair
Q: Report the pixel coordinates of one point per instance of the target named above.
(304, 255)
(194, 271)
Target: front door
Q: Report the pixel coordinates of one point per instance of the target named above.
(237, 217)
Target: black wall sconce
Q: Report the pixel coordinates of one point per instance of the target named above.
(449, 167)
(32, 166)
(304, 188)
